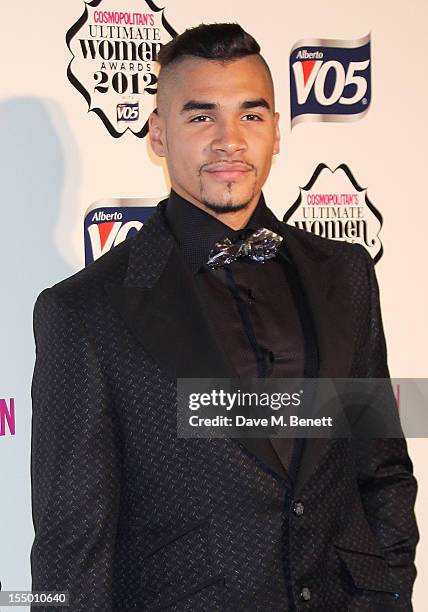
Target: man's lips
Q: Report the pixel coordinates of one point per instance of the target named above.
(227, 171)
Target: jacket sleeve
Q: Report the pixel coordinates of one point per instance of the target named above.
(75, 463)
(387, 485)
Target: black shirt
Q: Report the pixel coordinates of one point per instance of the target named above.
(252, 306)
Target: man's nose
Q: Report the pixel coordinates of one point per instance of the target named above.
(229, 138)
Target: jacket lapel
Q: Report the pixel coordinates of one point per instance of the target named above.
(320, 269)
(160, 306)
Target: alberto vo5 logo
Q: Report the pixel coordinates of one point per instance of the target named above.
(128, 111)
(110, 222)
(330, 80)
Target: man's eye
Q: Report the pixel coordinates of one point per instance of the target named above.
(251, 117)
(200, 119)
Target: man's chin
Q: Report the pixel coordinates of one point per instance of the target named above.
(227, 201)
(225, 207)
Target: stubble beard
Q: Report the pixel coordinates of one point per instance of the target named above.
(226, 203)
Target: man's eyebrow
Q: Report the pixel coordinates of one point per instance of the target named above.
(259, 102)
(195, 105)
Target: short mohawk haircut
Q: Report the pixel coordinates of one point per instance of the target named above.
(215, 41)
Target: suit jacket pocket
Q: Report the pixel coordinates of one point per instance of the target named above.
(178, 565)
(368, 571)
(207, 595)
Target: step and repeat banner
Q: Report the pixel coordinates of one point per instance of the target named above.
(77, 175)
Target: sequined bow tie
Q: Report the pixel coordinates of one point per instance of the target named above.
(260, 246)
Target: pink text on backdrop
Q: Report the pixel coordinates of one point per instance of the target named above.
(7, 416)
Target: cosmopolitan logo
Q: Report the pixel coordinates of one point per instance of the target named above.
(120, 17)
(330, 80)
(7, 417)
(333, 205)
(113, 60)
(109, 223)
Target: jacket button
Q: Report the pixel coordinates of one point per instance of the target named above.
(305, 594)
(298, 508)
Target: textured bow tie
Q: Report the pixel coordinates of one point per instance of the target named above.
(260, 246)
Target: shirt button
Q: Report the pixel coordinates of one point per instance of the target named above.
(305, 594)
(298, 508)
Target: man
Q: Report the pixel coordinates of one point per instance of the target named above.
(128, 516)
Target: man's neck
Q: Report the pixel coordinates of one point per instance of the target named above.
(236, 219)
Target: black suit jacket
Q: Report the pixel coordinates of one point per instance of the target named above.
(128, 517)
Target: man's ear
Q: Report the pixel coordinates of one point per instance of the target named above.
(276, 144)
(156, 134)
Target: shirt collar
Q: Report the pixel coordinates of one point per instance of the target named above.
(196, 231)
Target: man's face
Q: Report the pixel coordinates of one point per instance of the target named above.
(217, 130)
